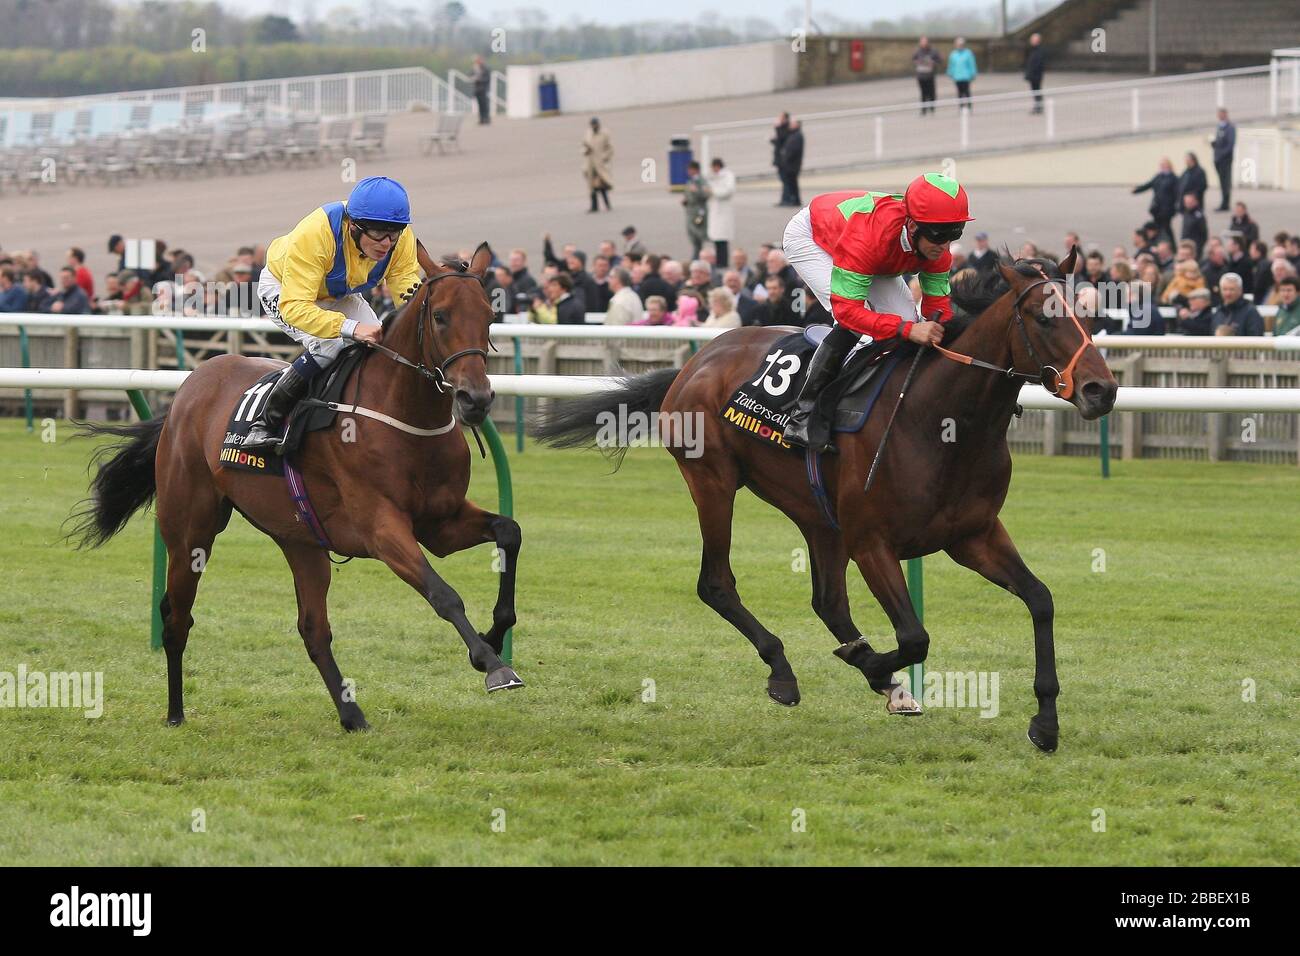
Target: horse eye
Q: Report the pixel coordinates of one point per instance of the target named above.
(1044, 319)
(440, 317)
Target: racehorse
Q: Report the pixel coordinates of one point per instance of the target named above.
(382, 494)
(931, 494)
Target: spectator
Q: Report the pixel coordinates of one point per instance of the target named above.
(500, 293)
(632, 246)
(1287, 321)
(598, 155)
(1164, 197)
(624, 305)
(610, 253)
(1242, 223)
(777, 265)
(38, 296)
(1263, 258)
(1094, 267)
(559, 294)
(13, 297)
(1194, 226)
(1213, 267)
(699, 281)
(663, 283)
(925, 60)
(982, 259)
(482, 80)
(656, 311)
(600, 272)
(687, 312)
(1293, 250)
(780, 133)
(1195, 318)
(1029, 251)
(520, 278)
(745, 305)
(1034, 69)
(740, 264)
(1186, 250)
(961, 68)
(1144, 317)
(85, 279)
(1192, 180)
(722, 310)
(1238, 261)
(1187, 279)
(33, 264)
(792, 160)
(1225, 144)
(1235, 316)
(695, 198)
(1281, 271)
(778, 309)
(71, 299)
(110, 303)
(721, 218)
(584, 286)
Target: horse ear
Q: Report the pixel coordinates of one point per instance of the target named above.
(425, 260)
(1070, 262)
(482, 258)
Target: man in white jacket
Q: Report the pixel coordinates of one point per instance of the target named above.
(722, 220)
(625, 305)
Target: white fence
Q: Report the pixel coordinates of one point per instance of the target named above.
(572, 386)
(507, 330)
(328, 96)
(1001, 121)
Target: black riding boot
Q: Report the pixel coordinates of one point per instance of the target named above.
(290, 387)
(823, 368)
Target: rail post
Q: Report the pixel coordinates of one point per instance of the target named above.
(519, 399)
(916, 590)
(505, 506)
(25, 348)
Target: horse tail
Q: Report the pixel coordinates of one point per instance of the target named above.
(124, 480)
(576, 422)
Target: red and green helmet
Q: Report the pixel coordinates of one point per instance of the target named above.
(938, 205)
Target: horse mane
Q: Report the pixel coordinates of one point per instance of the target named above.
(975, 292)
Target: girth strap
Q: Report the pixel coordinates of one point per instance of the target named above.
(381, 417)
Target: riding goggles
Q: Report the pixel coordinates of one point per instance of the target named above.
(940, 231)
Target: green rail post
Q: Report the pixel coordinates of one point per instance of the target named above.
(519, 399)
(180, 350)
(26, 351)
(141, 406)
(1105, 446)
(916, 588)
(505, 506)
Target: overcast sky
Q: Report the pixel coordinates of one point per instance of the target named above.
(625, 11)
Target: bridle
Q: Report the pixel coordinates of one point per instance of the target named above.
(438, 374)
(1061, 382)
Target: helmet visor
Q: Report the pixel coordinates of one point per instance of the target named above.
(377, 230)
(940, 231)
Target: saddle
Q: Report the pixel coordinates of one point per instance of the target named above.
(760, 406)
(312, 413)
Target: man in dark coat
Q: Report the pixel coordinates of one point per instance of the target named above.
(1225, 145)
(1034, 67)
(780, 132)
(1194, 227)
(1192, 180)
(1235, 313)
(482, 80)
(792, 161)
(1164, 197)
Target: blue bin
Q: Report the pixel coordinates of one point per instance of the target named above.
(548, 92)
(679, 157)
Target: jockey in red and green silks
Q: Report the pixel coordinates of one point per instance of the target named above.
(853, 248)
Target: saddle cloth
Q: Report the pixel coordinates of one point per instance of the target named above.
(761, 405)
(306, 417)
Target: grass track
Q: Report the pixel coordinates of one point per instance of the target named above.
(1198, 595)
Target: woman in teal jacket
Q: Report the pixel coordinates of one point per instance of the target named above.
(961, 67)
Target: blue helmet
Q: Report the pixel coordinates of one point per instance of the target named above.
(380, 199)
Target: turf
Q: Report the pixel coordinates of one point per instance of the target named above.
(1196, 598)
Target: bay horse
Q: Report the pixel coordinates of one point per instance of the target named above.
(382, 494)
(930, 494)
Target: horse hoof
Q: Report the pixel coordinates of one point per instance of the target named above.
(503, 678)
(899, 701)
(354, 722)
(784, 692)
(175, 721)
(1042, 739)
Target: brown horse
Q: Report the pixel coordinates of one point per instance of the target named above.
(930, 494)
(380, 491)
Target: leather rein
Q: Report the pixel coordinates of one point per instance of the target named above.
(1062, 381)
